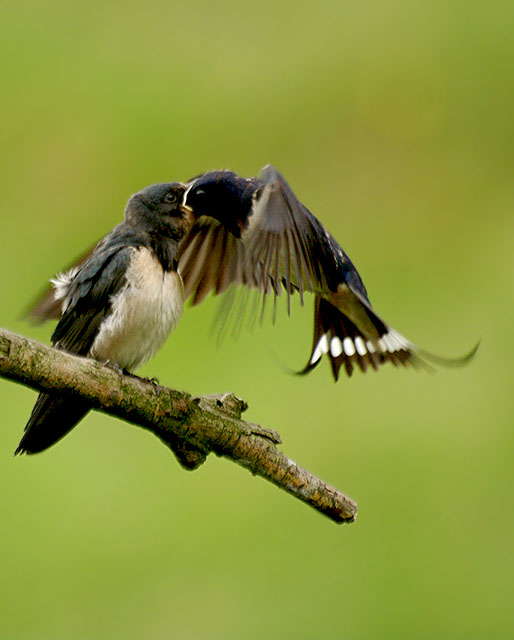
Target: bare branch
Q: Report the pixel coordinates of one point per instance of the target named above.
(191, 427)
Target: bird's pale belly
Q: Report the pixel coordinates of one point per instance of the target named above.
(143, 314)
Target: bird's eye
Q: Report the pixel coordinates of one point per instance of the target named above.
(170, 197)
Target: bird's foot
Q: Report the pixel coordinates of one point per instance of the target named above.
(115, 367)
(155, 383)
(123, 372)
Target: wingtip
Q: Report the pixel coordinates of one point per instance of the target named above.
(269, 173)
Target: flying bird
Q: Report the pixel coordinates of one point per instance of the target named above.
(256, 233)
(248, 232)
(120, 304)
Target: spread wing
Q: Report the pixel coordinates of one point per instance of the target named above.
(285, 240)
(288, 242)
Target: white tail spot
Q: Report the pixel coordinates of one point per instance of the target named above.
(360, 346)
(336, 347)
(348, 346)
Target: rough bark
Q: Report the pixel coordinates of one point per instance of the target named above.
(191, 427)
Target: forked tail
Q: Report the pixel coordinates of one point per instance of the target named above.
(346, 345)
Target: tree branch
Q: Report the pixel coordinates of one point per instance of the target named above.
(191, 427)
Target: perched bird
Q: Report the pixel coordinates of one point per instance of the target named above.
(249, 232)
(120, 304)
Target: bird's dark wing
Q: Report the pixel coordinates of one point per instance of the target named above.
(285, 240)
(89, 296)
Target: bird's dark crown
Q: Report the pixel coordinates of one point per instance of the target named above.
(224, 196)
(158, 210)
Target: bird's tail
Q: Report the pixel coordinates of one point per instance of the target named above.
(348, 346)
(367, 342)
(51, 419)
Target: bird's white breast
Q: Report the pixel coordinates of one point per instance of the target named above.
(143, 313)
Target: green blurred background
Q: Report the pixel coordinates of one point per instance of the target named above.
(393, 122)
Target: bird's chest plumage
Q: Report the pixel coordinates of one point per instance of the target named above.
(142, 313)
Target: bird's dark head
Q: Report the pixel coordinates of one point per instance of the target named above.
(224, 196)
(159, 210)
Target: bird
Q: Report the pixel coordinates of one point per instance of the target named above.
(119, 304)
(254, 233)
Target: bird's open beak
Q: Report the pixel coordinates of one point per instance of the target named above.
(187, 186)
